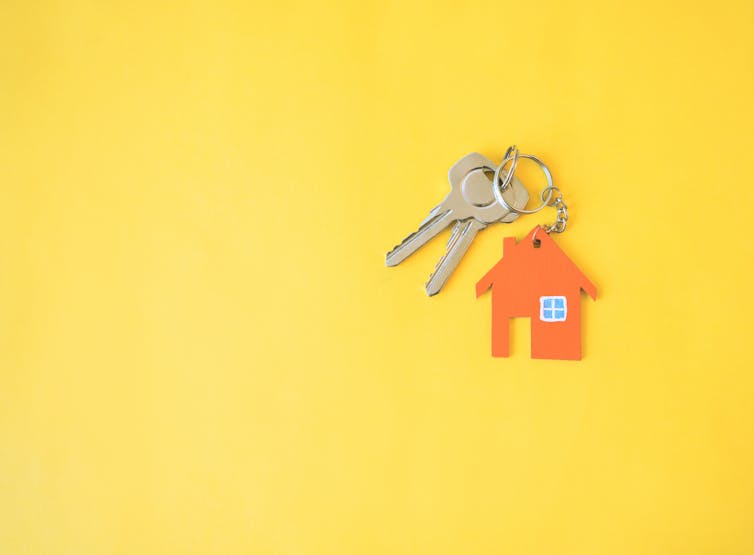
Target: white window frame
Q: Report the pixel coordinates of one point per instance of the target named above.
(542, 308)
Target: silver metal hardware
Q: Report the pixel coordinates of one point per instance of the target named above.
(546, 196)
(474, 202)
(471, 206)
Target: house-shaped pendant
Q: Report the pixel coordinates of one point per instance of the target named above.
(536, 279)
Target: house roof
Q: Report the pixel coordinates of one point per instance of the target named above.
(523, 258)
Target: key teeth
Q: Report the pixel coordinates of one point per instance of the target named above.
(406, 239)
(428, 286)
(434, 215)
(459, 242)
(449, 247)
(392, 251)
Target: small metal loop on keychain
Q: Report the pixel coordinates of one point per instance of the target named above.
(499, 187)
(511, 155)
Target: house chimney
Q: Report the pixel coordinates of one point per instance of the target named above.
(508, 245)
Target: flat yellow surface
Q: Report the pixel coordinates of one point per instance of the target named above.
(201, 351)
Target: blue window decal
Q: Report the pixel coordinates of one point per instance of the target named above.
(553, 309)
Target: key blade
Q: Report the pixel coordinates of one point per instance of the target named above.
(437, 220)
(459, 242)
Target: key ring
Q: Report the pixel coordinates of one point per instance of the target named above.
(498, 190)
(513, 158)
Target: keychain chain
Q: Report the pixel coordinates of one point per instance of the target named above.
(561, 219)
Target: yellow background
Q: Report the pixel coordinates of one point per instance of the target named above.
(201, 351)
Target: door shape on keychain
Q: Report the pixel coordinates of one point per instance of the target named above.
(535, 278)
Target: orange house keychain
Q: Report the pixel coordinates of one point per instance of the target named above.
(534, 278)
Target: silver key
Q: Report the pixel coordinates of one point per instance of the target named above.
(460, 241)
(471, 205)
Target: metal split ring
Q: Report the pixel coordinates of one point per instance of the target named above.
(549, 190)
(499, 187)
(511, 155)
